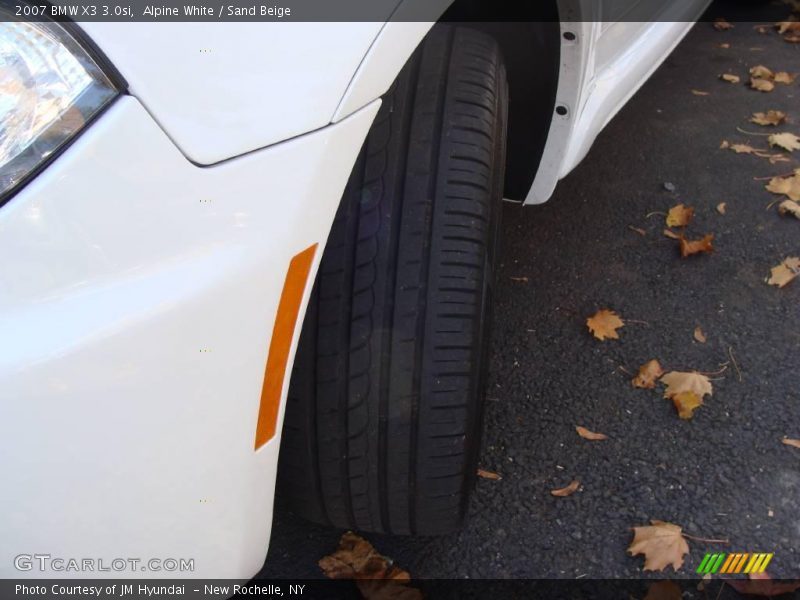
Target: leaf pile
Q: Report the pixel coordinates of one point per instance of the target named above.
(764, 79)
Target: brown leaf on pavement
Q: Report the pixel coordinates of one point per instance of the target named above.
(784, 26)
(722, 208)
(376, 577)
(787, 141)
(771, 117)
(604, 324)
(791, 442)
(483, 473)
(730, 78)
(664, 590)
(762, 85)
(567, 491)
(789, 207)
(784, 77)
(699, 335)
(671, 234)
(662, 545)
(761, 584)
(761, 72)
(722, 24)
(648, 374)
(788, 186)
(590, 435)
(686, 403)
(680, 216)
(678, 382)
(785, 272)
(690, 247)
(743, 149)
(686, 390)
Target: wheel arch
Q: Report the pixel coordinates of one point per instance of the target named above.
(532, 55)
(532, 52)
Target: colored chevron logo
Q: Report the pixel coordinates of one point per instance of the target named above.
(742, 562)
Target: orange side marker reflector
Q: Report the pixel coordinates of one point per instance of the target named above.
(282, 334)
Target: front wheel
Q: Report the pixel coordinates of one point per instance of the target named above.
(383, 423)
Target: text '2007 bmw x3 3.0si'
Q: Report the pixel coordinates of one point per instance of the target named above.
(222, 238)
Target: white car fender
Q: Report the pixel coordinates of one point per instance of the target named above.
(389, 52)
(220, 90)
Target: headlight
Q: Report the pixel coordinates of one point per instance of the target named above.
(50, 87)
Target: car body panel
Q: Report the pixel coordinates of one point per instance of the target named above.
(135, 319)
(600, 70)
(222, 89)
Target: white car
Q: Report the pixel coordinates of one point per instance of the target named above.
(202, 219)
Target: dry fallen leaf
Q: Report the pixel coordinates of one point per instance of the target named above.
(722, 24)
(678, 382)
(784, 26)
(700, 93)
(664, 590)
(784, 77)
(671, 234)
(787, 141)
(722, 207)
(761, 72)
(789, 207)
(680, 216)
(738, 148)
(699, 335)
(690, 247)
(785, 272)
(661, 543)
(724, 45)
(604, 324)
(789, 186)
(771, 117)
(730, 78)
(567, 491)
(648, 374)
(761, 584)
(489, 475)
(791, 442)
(519, 279)
(375, 576)
(590, 435)
(686, 403)
(792, 38)
(762, 85)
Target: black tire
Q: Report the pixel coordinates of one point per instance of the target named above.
(383, 423)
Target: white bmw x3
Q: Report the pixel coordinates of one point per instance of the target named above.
(241, 252)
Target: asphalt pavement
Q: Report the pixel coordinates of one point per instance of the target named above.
(723, 474)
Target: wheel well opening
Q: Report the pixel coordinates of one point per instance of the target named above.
(532, 52)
